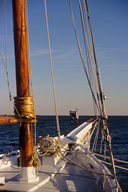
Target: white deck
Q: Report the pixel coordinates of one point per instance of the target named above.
(57, 175)
(63, 177)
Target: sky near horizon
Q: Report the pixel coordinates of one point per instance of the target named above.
(109, 21)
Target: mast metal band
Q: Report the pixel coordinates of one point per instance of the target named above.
(24, 107)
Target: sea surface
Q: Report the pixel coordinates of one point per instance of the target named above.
(46, 125)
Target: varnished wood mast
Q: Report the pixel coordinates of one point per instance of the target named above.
(22, 75)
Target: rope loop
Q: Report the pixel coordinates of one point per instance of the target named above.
(5, 159)
(49, 146)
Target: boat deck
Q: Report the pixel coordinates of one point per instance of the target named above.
(62, 177)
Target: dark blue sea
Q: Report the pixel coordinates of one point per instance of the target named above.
(46, 125)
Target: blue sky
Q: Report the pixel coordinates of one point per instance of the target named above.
(110, 31)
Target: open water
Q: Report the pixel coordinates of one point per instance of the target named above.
(46, 125)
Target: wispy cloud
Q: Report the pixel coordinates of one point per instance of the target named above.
(68, 57)
(65, 53)
(38, 52)
(113, 56)
(102, 51)
(60, 55)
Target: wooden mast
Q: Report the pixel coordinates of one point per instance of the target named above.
(22, 76)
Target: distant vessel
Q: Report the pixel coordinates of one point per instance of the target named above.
(74, 115)
(63, 163)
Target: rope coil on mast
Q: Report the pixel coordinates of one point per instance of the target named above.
(24, 107)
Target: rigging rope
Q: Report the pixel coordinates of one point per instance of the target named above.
(30, 70)
(96, 154)
(103, 112)
(84, 168)
(95, 61)
(5, 32)
(10, 95)
(55, 103)
(91, 50)
(107, 139)
(96, 138)
(88, 52)
(5, 63)
(92, 59)
(93, 95)
(88, 63)
(126, 169)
